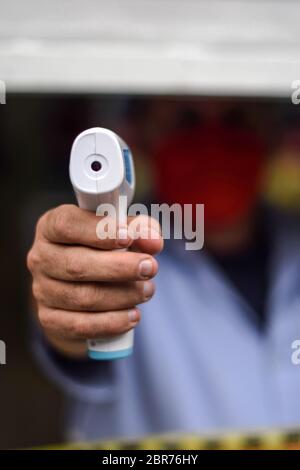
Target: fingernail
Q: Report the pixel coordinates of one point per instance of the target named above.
(123, 238)
(146, 268)
(133, 315)
(148, 289)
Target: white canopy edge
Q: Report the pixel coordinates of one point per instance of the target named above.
(201, 47)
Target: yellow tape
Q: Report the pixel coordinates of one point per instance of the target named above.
(287, 439)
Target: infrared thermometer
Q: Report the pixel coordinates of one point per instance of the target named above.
(101, 170)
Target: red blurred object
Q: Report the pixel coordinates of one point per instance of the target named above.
(217, 164)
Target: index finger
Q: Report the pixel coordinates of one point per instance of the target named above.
(71, 225)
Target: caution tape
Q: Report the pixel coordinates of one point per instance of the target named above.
(264, 440)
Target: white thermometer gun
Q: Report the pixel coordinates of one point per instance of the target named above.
(101, 170)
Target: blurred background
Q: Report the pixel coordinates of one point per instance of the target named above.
(141, 68)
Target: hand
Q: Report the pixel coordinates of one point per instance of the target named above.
(82, 286)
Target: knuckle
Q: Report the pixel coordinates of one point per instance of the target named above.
(62, 222)
(41, 222)
(74, 268)
(33, 259)
(85, 297)
(63, 297)
(30, 260)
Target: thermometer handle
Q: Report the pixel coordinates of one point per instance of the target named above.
(115, 347)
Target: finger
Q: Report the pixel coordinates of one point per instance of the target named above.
(74, 325)
(92, 297)
(68, 224)
(146, 234)
(77, 263)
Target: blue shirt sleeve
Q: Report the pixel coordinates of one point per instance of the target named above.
(84, 379)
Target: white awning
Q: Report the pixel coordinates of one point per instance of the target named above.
(203, 47)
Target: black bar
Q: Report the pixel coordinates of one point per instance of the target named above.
(136, 458)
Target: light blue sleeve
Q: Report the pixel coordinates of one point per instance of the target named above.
(86, 380)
